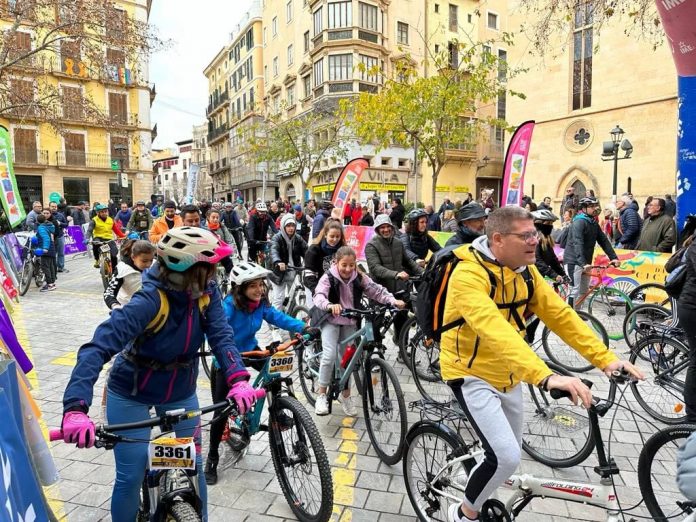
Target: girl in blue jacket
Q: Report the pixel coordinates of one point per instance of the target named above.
(246, 309)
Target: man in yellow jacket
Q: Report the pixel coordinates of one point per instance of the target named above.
(485, 358)
(101, 229)
(165, 223)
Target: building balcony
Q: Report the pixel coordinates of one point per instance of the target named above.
(348, 37)
(464, 150)
(218, 166)
(77, 115)
(30, 157)
(254, 179)
(344, 87)
(88, 160)
(215, 135)
(218, 103)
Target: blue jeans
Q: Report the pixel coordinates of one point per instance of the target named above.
(131, 457)
(60, 252)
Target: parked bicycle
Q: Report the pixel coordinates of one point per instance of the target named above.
(31, 264)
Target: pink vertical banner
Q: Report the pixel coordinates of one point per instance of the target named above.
(348, 181)
(516, 164)
(357, 238)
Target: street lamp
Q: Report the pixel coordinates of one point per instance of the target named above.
(121, 149)
(483, 164)
(610, 152)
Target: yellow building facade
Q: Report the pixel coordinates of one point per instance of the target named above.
(578, 93)
(82, 161)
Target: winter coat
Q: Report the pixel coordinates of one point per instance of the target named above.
(355, 215)
(59, 218)
(140, 221)
(630, 225)
(242, 213)
(124, 217)
(583, 235)
(161, 226)
(303, 226)
(30, 223)
(281, 254)
(659, 234)
(670, 208)
(319, 220)
(45, 235)
(397, 216)
(230, 220)
(367, 220)
(189, 321)
(450, 225)
(223, 234)
(386, 258)
(570, 202)
(463, 236)
(371, 289)
(79, 217)
(687, 298)
(417, 246)
(316, 263)
(125, 282)
(686, 468)
(547, 262)
(258, 227)
(434, 223)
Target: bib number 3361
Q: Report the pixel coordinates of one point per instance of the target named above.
(172, 453)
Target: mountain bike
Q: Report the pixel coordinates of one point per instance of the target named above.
(382, 399)
(106, 268)
(295, 299)
(31, 266)
(170, 483)
(297, 450)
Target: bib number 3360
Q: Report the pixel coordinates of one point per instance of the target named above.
(172, 453)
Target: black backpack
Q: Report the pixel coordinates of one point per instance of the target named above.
(432, 292)
(676, 273)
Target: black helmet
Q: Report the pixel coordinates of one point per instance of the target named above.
(416, 214)
(470, 211)
(586, 202)
(326, 205)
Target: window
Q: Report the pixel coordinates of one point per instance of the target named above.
(437, 8)
(265, 74)
(288, 11)
(502, 100)
(250, 39)
(21, 97)
(74, 149)
(251, 99)
(368, 16)
(402, 33)
(115, 58)
(582, 56)
(318, 21)
(69, 56)
(318, 72)
(275, 66)
(75, 189)
(469, 18)
(265, 36)
(184, 163)
(117, 24)
(21, 46)
(306, 42)
(25, 146)
(453, 53)
(340, 15)
(274, 26)
(276, 103)
(492, 20)
(290, 54)
(306, 86)
(370, 64)
(453, 17)
(73, 104)
(340, 67)
(291, 95)
(118, 108)
(117, 152)
(502, 65)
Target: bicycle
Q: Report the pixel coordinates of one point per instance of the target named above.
(650, 293)
(640, 319)
(292, 434)
(295, 301)
(106, 269)
(383, 402)
(437, 463)
(31, 265)
(263, 256)
(170, 482)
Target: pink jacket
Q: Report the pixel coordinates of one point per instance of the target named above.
(370, 289)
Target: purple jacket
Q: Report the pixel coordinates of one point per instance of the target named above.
(370, 288)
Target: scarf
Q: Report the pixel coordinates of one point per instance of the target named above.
(328, 249)
(253, 305)
(213, 226)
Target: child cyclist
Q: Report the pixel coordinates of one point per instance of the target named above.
(136, 256)
(158, 366)
(341, 287)
(246, 309)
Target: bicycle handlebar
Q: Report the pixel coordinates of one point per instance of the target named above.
(617, 377)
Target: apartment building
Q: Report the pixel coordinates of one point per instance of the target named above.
(590, 84)
(171, 171)
(200, 155)
(82, 161)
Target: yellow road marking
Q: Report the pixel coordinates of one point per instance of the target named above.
(344, 476)
(69, 359)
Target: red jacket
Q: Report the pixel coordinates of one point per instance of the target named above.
(356, 215)
(346, 211)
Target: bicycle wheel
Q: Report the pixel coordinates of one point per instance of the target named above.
(428, 450)
(653, 293)
(657, 468)
(563, 355)
(555, 433)
(143, 514)
(664, 362)
(25, 276)
(610, 306)
(639, 320)
(425, 369)
(39, 276)
(308, 361)
(182, 511)
(409, 332)
(385, 410)
(205, 359)
(300, 461)
(105, 271)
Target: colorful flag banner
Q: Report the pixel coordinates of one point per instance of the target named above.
(11, 202)
(348, 181)
(515, 165)
(192, 181)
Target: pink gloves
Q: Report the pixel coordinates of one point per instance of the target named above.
(78, 428)
(243, 394)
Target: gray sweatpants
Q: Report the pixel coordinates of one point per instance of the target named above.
(330, 335)
(581, 282)
(279, 291)
(497, 419)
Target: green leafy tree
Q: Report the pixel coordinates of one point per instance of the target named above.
(436, 113)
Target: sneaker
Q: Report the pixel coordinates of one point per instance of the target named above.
(96, 264)
(44, 288)
(348, 406)
(63, 270)
(51, 287)
(453, 515)
(321, 406)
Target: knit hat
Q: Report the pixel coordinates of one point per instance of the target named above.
(287, 219)
(383, 219)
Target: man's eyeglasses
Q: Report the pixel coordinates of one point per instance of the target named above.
(528, 237)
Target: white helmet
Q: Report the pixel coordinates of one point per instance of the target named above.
(248, 271)
(544, 215)
(261, 207)
(182, 247)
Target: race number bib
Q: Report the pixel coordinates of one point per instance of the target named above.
(282, 362)
(172, 453)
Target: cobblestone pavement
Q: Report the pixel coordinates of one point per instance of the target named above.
(57, 323)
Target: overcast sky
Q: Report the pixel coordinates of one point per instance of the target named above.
(198, 30)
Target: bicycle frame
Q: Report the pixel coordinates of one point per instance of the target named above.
(367, 335)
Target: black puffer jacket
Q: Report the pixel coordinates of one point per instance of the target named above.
(687, 298)
(397, 215)
(583, 235)
(418, 246)
(547, 262)
(316, 263)
(464, 236)
(385, 259)
(280, 254)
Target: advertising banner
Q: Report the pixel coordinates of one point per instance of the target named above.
(73, 240)
(357, 238)
(11, 202)
(516, 164)
(192, 181)
(348, 181)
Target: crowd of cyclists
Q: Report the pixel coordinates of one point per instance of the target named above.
(169, 254)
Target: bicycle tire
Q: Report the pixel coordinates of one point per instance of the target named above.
(566, 357)
(205, 362)
(611, 310)
(661, 395)
(25, 276)
(143, 514)
(667, 469)
(390, 449)
(405, 338)
(641, 294)
(563, 425)
(39, 276)
(182, 511)
(637, 322)
(308, 432)
(308, 370)
(425, 370)
(446, 446)
(105, 271)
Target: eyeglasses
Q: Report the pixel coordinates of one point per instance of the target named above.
(528, 237)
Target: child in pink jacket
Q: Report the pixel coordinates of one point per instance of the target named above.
(335, 291)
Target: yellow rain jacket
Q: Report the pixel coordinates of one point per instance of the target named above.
(490, 345)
